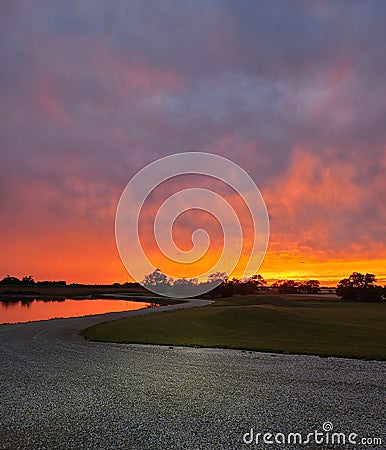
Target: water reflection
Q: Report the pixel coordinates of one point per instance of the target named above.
(31, 309)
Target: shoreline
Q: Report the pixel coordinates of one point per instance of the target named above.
(111, 316)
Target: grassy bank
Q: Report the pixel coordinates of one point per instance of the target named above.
(284, 324)
(77, 292)
(70, 289)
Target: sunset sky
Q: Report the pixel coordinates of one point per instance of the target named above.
(92, 91)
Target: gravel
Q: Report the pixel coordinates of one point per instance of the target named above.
(59, 391)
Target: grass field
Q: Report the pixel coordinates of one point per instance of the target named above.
(283, 324)
(12, 293)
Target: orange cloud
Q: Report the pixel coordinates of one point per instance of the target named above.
(318, 225)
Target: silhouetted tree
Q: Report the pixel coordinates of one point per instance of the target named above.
(235, 286)
(309, 287)
(258, 282)
(185, 282)
(285, 286)
(28, 280)
(360, 288)
(225, 289)
(10, 280)
(249, 286)
(155, 278)
(217, 276)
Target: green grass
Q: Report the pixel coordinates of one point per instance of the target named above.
(283, 324)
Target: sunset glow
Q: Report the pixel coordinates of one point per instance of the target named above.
(84, 108)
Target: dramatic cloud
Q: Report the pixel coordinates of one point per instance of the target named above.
(92, 91)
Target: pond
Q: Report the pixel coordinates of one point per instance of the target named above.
(33, 310)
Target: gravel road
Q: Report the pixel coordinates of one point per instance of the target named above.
(58, 391)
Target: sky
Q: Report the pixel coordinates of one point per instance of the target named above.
(93, 91)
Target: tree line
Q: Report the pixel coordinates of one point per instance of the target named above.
(257, 283)
(357, 287)
(28, 280)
